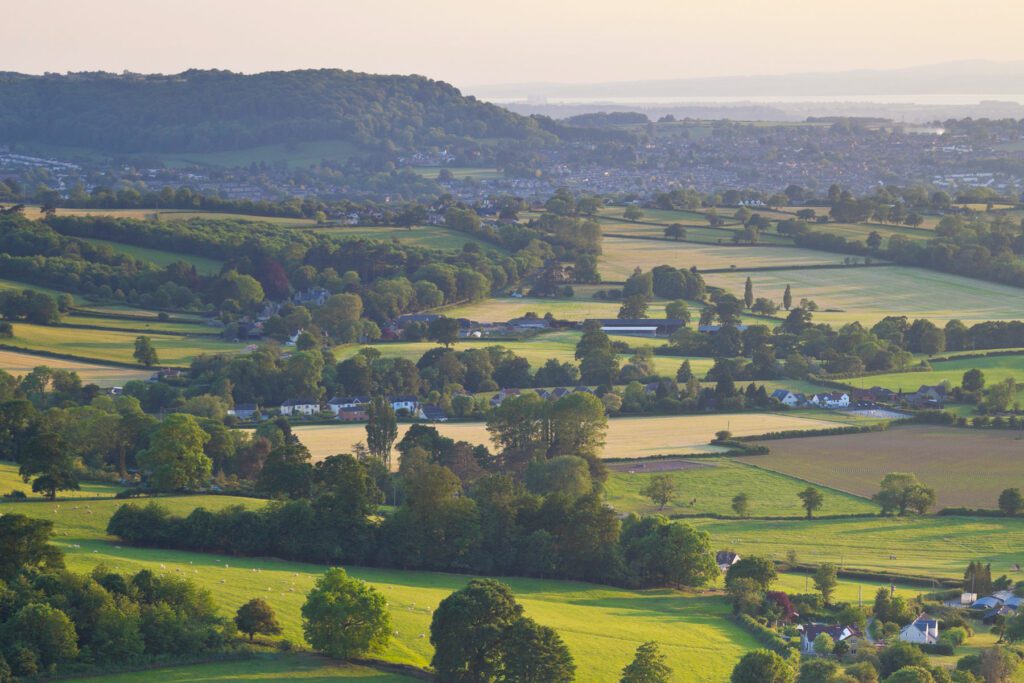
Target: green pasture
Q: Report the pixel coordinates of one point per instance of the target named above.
(301, 668)
(710, 484)
(147, 325)
(22, 286)
(10, 481)
(428, 236)
(996, 369)
(602, 626)
(113, 345)
(459, 172)
(867, 295)
(936, 547)
(203, 266)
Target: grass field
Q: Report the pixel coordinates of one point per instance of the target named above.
(602, 626)
(996, 369)
(428, 236)
(148, 325)
(459, 172)
(103, 375)
(711, 484)
(869, 294)
(537, 350)
(113, 345)
(622, 255)
(580, 307)
(628, 437)
(21, 286)
(32, 211)
(301, 668)
(966, 467)
(935, 547)
(204, 266)
(10, 481)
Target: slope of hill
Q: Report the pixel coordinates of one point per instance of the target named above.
(204, 111)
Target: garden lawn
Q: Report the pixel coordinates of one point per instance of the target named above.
(301, 668)
(628, 437)
(966, 467)
(867, 295)
(934, 547)
(113, 345)
(711, 484)
(18, 363)
(601, 625)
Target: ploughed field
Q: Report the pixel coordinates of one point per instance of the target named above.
(966, 467)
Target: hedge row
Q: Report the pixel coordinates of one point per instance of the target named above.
(766, 636)
(827, 431)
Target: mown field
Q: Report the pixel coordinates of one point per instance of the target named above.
(966, 467)
(428, 236)
(602, 626)
(935, 547)
(150, 325)
(301, 668)
(113, 345)
(621, 255)
(869, 294)
(628, 437)
(204, 266)
(996, 369)
(103, 375)
(10, 481)
(560, 345)
(708, 485)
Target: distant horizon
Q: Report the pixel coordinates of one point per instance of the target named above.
(538, 41)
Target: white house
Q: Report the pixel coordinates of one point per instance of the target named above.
(924, 631)
(407, 403)
(839, 633)
(725, 559)
(337, 403)
(787, 398)
(835, 399)
(300, 406)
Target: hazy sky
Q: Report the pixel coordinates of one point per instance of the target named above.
(469, 42)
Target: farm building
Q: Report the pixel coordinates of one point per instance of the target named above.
(835, 399)
(244, 411)
(432, 414)
(352, 414)
(643, 327)
(725, 559)
(788, 398)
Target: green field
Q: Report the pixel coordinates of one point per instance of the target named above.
(966, 467)
(621, 255)
(10, 481)
(580, 307)
(102, 375)
(459, 172)
(602, 626)
(627, 437)
(936, 547)
(711, 484)
(869, 294)
(21, 286)
(428, 236)
(113, 345)
(147, 325)
(301, 668)
(204, 266)
(996, 369)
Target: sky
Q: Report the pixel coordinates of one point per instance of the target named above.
(482, 42)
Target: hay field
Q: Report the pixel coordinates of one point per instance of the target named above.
(966, 467)
(627, 437)
(622, 255)
(711, 483)
(103, 375)
(867, 295)
(601, 625)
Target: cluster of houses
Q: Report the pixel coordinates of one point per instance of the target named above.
(999, 604)
(344, 408)
(925, 397)
(553, 394)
